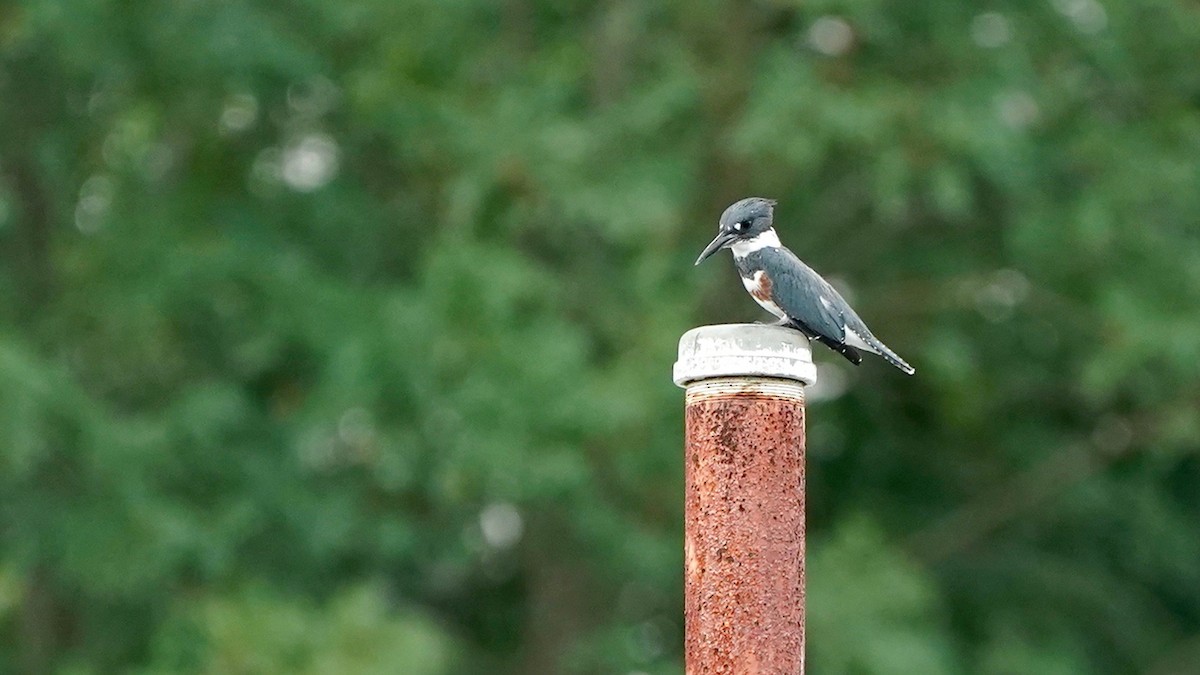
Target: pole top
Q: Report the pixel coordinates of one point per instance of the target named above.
(744, 350)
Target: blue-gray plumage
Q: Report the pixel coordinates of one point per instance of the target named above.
(789, 289)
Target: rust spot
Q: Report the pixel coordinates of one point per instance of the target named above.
(744, 543)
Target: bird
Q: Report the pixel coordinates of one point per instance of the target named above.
(783, 285)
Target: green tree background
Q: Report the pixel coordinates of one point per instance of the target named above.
(336, 336)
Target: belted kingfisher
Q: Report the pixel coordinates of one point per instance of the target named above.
(789, 289)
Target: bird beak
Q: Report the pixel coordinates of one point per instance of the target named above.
(722, 240)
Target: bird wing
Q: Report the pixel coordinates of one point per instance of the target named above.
(810, 300)
(819, 310)
(807, 298)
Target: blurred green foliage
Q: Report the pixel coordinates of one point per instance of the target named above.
(336, 337)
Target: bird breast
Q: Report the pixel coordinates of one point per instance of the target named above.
(759, 287)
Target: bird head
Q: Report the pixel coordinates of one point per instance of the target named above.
(742, 221)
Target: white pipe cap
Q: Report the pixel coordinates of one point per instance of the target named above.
(744, 350)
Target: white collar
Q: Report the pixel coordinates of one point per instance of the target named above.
(765, 239)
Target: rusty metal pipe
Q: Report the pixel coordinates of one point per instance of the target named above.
(744, 508)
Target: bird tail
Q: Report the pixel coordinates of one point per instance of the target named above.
(892, 357)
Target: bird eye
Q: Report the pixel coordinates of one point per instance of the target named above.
(741, 225)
